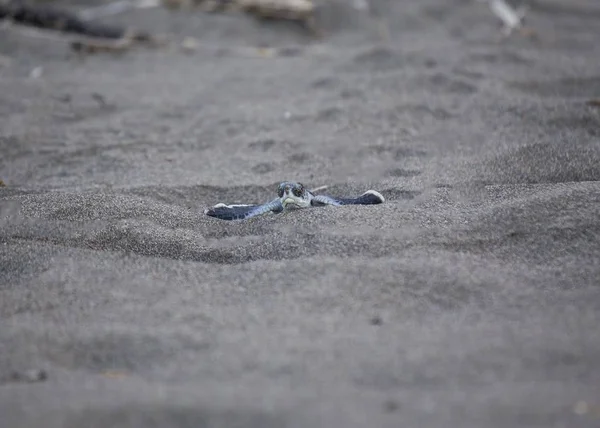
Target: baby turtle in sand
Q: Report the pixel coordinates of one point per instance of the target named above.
(290, 195)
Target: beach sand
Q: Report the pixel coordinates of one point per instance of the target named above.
(470, 298)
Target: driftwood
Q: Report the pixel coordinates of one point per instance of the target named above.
(93, 36)
(277, 9)
(115, 8)
(86, 36)
(42, 16)
(301, 11)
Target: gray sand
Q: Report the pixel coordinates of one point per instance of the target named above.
(471, 298)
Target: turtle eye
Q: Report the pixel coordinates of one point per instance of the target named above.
(297, 191)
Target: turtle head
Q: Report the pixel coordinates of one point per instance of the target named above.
(292, 193)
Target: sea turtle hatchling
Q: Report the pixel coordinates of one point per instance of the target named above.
(290, 195)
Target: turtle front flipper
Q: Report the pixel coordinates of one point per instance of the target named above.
(370, 197)
(243, 212)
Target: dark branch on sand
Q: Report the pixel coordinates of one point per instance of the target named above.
(96, 36)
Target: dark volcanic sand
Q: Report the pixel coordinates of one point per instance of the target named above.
(470, 299)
